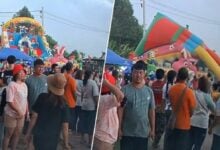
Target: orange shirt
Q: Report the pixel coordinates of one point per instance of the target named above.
(70, 91)
(189, 103)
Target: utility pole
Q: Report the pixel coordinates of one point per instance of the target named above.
(144, 23)
(42, 16)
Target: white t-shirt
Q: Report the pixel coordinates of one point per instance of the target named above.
(107, 123)
(167, 100)
(79, 92)
(200, 117)
(89, 91)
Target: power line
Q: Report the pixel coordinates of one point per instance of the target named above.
(64, 21)
(190, 18)
(10, 12)
(187, 13)
(69, 24)
(75, 23)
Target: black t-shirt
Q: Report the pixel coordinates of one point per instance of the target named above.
(50, 117)
(8, 75)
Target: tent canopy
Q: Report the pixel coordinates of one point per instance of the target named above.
(5, 52)
(115, 59)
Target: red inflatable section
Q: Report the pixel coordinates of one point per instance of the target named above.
(161, 35)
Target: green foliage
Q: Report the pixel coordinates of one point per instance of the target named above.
(66, 54)
(125, 30)
(51, 41)
(24, 12)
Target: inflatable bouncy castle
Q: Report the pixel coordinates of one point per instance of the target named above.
(27, 35)
(166, 40)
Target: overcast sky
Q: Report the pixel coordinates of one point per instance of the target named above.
(202, 16)
(77, 24)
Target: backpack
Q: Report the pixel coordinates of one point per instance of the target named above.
(3, 102)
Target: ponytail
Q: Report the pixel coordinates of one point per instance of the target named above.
(87, 75)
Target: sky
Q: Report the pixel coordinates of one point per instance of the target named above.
(83, 25)
(202, 16)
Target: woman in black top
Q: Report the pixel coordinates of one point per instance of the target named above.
(50, 114)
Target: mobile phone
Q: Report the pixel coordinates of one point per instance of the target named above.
(124, 101)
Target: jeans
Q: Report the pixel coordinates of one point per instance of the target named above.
(72, 120)
(1, 133)
(216, 142)
(176, 139)
(197, 136)
(133, 143)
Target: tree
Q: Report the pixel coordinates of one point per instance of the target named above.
(24, 12)
(125, 30)
(51, 41)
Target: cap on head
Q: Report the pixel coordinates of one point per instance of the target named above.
(17, 68)
(110, 79)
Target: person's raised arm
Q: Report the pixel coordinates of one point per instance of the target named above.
(115, 90)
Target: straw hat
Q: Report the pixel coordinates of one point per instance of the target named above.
(56, 83)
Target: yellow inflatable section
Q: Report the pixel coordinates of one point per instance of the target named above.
(17, 20)
(208, 60)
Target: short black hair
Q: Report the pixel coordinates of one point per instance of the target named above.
(171, 75)
(69, 66)
(38, 62)
(53, 66)
(11, 59)
(183, 74)
(115, 73)
(63, 68)
(139, 65)
(160, 73)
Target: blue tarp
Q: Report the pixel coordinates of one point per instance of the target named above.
(115, 59)
(5, 52)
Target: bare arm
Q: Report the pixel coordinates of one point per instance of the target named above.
(31, 124)
(115, 90)
(151, 115)
(120, 118)
(96, 99)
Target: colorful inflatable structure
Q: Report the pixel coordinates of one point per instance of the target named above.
(167, 39)
(58, 56)
(27, 35)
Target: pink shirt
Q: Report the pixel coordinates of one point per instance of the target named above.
(16, 93)
(107, 123)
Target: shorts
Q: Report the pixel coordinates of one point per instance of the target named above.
(100, 145)
(11, 122)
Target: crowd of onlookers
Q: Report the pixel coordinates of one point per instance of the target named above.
(46, 106)
(182, 107)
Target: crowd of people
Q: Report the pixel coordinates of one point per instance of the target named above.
(46, 106)
(49, 106)
(184, 110)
